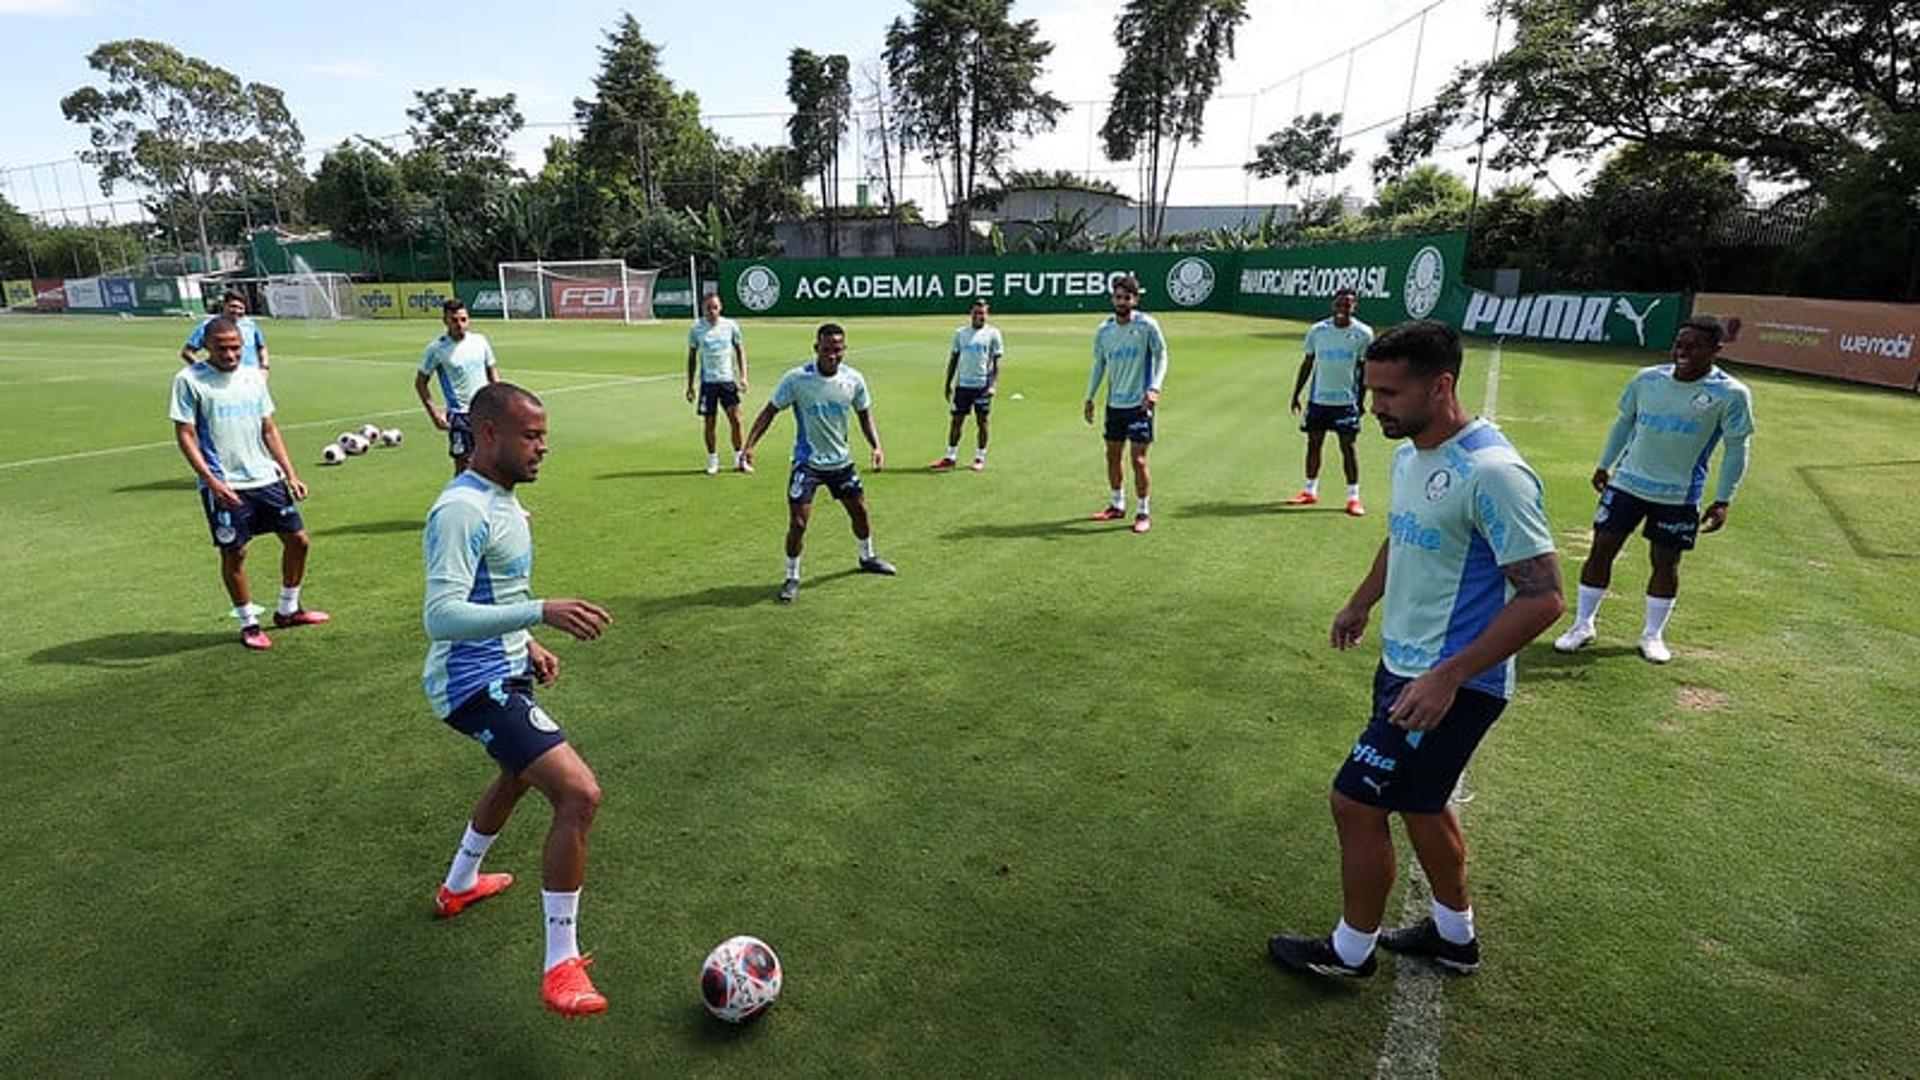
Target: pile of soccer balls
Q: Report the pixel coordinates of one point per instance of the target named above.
(358, 441)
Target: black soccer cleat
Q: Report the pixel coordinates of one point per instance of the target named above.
(1316, 956)
(877, 565)
(789, 590)
(1423, 939)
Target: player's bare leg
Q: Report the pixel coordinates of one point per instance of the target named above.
(863, 535)
(233, 575)
(1367, 863)
(733, 426)
(294, 547)
(1663, 585)
(1116, 479)
(1142, 485)
(980, 442)
(465, 884)
(1446, 937)
(1595, 575)
(569, 785)
(1310, 494)
(1350, 464)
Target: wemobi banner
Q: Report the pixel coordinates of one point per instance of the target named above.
(1634, 320)
(1843, 339)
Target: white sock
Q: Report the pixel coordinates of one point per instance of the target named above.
(1143, 507)
(866, 547)
(793, 568)
(563, 910)
(248, 615)
(1353, 492)
(736, 459)
(1119, 498)
(1588, 606)
(1454, 926)
(466, 860)
(980, 454)
(713, 460)
(1353, 946)
(1313, 485)
(952, 452)
(1659, 610)
(289, 599)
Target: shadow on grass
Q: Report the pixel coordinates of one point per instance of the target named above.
(172, 483)
(129, 649)
(1857, 536)
(374, 528)
(1232, 509)
(1542, 661)
(651, 474)
(1038, 530)
(723, 596)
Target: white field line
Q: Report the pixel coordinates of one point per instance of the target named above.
(135, 448)
(1411, 1048)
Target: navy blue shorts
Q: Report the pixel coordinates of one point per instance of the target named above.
(1414, 771)
(843, 483)
(261, 510)
(459, 435)
(974, 399)
(1667, 524)
(505, 719)
(1344, 419)
(1130, 425)
(724, 395)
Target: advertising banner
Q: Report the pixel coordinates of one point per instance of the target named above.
(588, 298)
(378, 302)
(484, 299)
(19, 293)
(286, 300)
(422, 299)
(83, 294)
(673, 298)
(1632, 320)
(1395, 280)
(50, 294)
(118, 292)
(1857, 341)
(1011, 283)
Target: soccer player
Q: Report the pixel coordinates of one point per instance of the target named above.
(1654, 467)
(463, 359)
(1131, 353)
(1338, 396)
(253, 351)
(975, 360)
(480, 673)
(822, 394)
(223, 421)
(714, 349)
(1469, 576)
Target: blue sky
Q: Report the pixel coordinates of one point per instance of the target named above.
(350, 69)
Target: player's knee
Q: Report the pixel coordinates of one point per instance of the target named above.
(296, 541)
(579, 801)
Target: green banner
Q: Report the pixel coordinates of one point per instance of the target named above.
(1398, 279)
(1011, 283)
(483, 299)
(1633, 320)
(673, 298)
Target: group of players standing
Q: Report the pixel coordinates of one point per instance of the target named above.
(1468, 571)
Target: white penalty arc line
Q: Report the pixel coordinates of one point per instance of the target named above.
(137, 447)
(1411, 1047)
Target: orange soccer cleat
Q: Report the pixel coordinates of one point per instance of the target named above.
(1305, 498)
(1111, 513)
(303, 617)
(1355, 509)
(567, 990)
(448, 904)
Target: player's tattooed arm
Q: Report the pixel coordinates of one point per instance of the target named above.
(1537, 576)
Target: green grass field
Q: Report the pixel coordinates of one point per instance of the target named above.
(1030, 808)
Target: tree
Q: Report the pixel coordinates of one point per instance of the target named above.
(1650, 215)
(641, 139)
(466, 132)
(1306, 148)
(1416, 138)
(1170, 65)
(963, 81)
(822, 95)
(460, 162)
(1425, 188)
(1789, 85)
(180, 125)
(358, 193)
(1864, 240)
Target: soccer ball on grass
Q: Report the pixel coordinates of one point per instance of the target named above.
(370, 432)
(740, 980)
(352, 443)
(391, 436)
(332, 454)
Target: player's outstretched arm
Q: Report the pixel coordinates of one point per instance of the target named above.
(759, 428)
(692, 366)
(1300, 380)
(583, 620)
(953, 364)
(873, 437)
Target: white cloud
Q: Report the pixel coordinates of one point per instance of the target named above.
(337, 69)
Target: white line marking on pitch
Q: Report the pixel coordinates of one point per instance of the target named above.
(109, 451)
(1411, 1048)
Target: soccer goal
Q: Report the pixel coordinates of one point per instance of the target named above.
(581, 289)
(321, 294)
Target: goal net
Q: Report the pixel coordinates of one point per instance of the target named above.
(320, 294)
(581, 289)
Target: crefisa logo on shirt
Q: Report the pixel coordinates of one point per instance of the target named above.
(759, 288)
(1438, 485)
(1190, 281)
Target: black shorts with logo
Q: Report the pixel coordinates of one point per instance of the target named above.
(843, 483)
(1668, 524)
(506, 720)
(261, 510)
(459, 435)
(974, 399)
(1344, 419)
(1130, 425)
(715, 396)
(1414, 771)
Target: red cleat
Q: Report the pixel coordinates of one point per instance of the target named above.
(941, 465)
(303, 617)
(1141, 523)
(1355, 509)
(1111, 513)
(979, 465)
(567, 990)
(448, 904)
(1305, 498)
(255, 638)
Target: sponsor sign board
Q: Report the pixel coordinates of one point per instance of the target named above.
(1857, 341)
(590, 298)
(484, 299)
(50, 294)
(1011, 283)
(378, 302)
(1633, 320)
(83, 294)
(422, 299)
(19, 293)
(118, 292)
(1394, 280)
